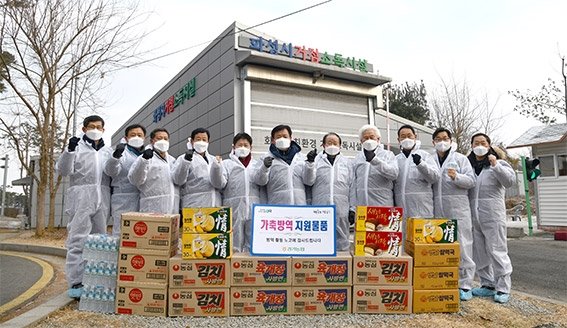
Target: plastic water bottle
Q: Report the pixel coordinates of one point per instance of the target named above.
(98, 300)
(112, 300)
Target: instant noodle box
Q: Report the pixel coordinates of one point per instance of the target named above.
(386, 271)
(199, 302)
(431, 231)
(247, 270)
(206, 246)
(320, 271)
(143, 265)
(207, 220)
(321, 299)
(259, 300)
(434, 255)
(439, 300)
(150, 231)
(382, 299)
(198, 273)
(141, 299)
(435, 277)
(378, 243)
(378, 218)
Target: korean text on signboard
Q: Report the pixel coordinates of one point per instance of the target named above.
(293, 230)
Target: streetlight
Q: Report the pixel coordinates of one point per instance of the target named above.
(5, 167)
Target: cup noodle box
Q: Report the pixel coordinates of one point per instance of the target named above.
(436, 277)
(199, 302)
(143, 265)
(150, 230)
(259, 300)
(382, 270)
(207, 219)
(382, 299)
(141, 299)
(434, 255)
(378, 218)
(378, 243)
(206, 246)
(246, 270)
(198, 273)
(321, 299)
(431, 231)
(439, 300)
(320, 271)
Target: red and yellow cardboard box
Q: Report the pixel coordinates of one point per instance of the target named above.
(384, 270)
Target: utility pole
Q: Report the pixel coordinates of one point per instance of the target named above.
(564, 82)
(5, 167)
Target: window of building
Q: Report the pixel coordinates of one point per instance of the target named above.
(547, 166)
(562, 164)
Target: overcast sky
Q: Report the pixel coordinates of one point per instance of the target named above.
(496, 45)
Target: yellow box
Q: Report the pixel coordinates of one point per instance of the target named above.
(378, 218)
(321, 271)
(321, 299)
(143, 265)
(198, 273)
(206, 246)
(382, 299)
(259, 300)
(431, 231)
(247, 270)
(433, 255)
(436, 277)
(440, 300)
(141, 299)
(207, 220)
(199, 302)
(378, 243)
(150, 231)
(386, 271)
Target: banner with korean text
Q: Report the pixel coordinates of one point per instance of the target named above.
(288, 230)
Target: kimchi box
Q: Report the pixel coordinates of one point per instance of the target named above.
(382, 270)
(381, 299)
(199, 302)
(198, 273)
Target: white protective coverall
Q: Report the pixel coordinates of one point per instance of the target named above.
(451, 199)
(412, 188)
(125, 196)
(285, 183)
(87, 203)
(239, 192)
(333, 185)
(374, 180)
(488, 209)
(197, 191)
(158, 181)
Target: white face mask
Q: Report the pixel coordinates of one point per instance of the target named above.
(200, 146)
(283, 143)
(442, 146)
(407, 143)
(480, 151)
(370, 144)
(332, 150)
(94, 134)
(161, 145)
(241, 152)
(135, 142)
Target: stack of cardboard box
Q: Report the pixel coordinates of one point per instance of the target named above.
(436, 255)
(382, 273)
(147, 241)
(199, 284)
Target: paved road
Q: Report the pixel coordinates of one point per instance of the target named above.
(22, 277)
(540, 267)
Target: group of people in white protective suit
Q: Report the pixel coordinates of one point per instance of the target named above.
(105, 183)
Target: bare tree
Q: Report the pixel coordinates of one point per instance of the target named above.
(55, 44)
(455, 107)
